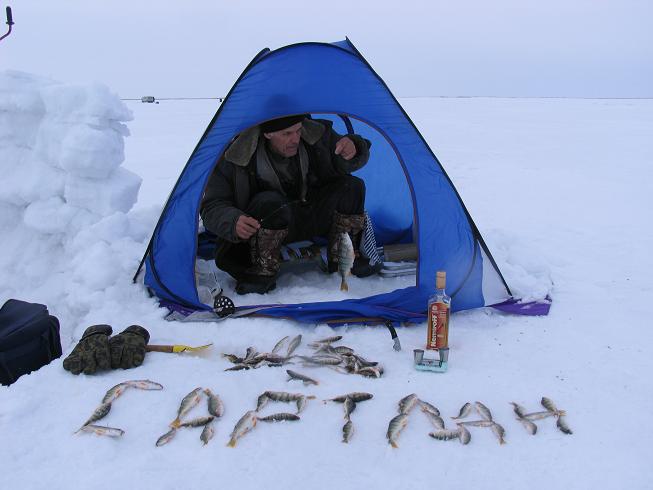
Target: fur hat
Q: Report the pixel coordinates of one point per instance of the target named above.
(281, 123)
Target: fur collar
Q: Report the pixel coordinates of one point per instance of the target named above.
(241, 150)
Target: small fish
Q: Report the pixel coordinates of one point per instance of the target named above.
(238, 367)
(518, 409)
(464, 411)
(233, 358)
(301, 402)
(483, 411)
(395, 427)
(371, 372)
(114, 392)
(477, 423)
(144, 384)
(427, 407)
(499, 431)
(363, 362)
(530, 427)
(328, 340)
(343, 349)
(167, 437)
(345, 259)
(262, 401)
(246, 423)
(187, 403)
(301, 377)
(548, 404)
(445, 435)
(294, 343)
(435, 420)
(347, 431)
(198, 422)
(349, 405)
(99, 413)
(562, 425)
(357, 396)
(320, 360)
(465, 436)
(102, 430)
(543, 414)
(215, 406)
(407, 403)
(279, 417)
(277, 347)
(250, 353)
(283, 396)
(207, 433)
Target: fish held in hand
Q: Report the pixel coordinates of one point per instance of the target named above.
(301, 377)
(396, 425)
(101, 430)
(246, 423)
(345, 259)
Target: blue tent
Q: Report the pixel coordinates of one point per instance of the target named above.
(410, 198)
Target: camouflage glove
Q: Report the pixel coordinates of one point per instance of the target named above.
(128, 347)
(92, 352)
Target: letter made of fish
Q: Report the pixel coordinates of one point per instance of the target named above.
(345, 259)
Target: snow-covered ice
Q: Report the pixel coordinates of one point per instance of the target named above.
(561, 191)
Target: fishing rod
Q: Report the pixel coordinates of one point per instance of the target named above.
(10, 22)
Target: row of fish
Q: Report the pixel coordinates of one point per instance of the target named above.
(215, 408)
(105, 407)
(349, 402)
(406, 404)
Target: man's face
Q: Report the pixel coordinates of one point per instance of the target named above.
(285, 142)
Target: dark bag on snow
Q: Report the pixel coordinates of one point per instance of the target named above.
(29, 339)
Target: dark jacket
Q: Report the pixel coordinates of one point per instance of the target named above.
(233, 182)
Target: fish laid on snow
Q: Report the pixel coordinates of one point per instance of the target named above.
(465, 410)
(294, 343)
(207, 433)
(301, 377)
(99, 413)
(371, 372)
(301, 402)
(407, 403)
(530, 427)
(465, 435)
(562, 425)
(548, 404)
(144, 384)
(262, 401)
(347, 431)
(395, 427)
(518, 409)
(477, 423)
(349, 405)
(167, 437)
(328, 340)
(427, 407)
(483, 411)
(283, 396)
(445, 435)
(277, 347)
(545, 414)
(198, 422)
(101, 430)
(114, 392)
(246, 423)
(279, 417)
(187, 403)
(435, 420)
(345, 259)
(215, 406)
(357, 396)
(499, 431)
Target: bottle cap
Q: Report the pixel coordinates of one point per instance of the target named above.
(440, 279)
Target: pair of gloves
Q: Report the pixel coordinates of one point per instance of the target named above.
(96, 351)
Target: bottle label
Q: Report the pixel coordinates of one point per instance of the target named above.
(438, 326)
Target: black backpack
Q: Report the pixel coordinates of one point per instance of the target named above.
(29, 339)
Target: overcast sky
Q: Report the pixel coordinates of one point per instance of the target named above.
(197, 48)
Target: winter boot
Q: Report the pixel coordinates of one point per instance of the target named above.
(343, 223)
(264, 248)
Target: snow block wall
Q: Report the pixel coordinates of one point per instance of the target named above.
(63, 193)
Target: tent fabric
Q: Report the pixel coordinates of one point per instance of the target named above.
(409, 196)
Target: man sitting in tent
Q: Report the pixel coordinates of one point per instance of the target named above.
(284, 181)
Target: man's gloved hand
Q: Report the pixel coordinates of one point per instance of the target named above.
(92, 352)
(128, 347)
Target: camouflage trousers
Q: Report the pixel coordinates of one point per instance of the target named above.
(264, 249)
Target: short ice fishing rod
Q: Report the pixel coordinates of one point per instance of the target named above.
(10, 22)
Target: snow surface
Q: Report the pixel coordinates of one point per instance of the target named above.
(560, 191)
